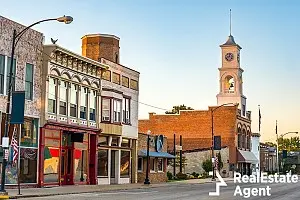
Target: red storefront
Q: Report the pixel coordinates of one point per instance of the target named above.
(67, 155)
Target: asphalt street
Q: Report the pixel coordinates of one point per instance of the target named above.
(278, 191)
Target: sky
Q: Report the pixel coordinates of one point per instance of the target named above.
(175, 47)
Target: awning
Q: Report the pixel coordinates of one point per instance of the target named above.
(247, 157)
(143, 153)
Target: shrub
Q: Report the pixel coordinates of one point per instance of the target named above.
(181, 176)
(169, 175)
(207, 165)
(195, 174)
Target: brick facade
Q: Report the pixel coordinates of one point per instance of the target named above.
(98, 46)
(195, 127)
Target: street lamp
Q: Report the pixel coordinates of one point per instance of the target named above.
(212, 135)
(277, 149)
(15, 40)
(147, 181)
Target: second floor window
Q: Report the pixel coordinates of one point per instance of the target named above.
(63, 96)
(93, 100)
(117, 110)
(73, 100)
(13, 75)
(29, 82)
(83, 102)
(105, 109)
(2, 67)
(126, 111)
(52, 95)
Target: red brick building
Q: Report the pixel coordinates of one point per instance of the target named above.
(231, 122)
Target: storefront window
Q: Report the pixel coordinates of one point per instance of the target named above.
(125, 164)
(152, 164)
(140, 164)
(80, 162)
(29, 133)
(103, 162)
(160, 165)
(51, 156)
(28, 165)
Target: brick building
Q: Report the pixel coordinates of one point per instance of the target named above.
(158, 158)
(232, 123)
(117, 146)
(26, 77)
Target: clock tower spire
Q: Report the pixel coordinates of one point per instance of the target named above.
(231, 83)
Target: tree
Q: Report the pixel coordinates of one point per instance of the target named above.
(176, 109)
(207, 165)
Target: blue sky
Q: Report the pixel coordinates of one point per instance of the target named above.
(175, 46)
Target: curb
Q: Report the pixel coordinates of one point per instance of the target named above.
(103, 190)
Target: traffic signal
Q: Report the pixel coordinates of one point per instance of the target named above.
(284, 153)
(217, 142)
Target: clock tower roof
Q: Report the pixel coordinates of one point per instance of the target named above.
(230, 42)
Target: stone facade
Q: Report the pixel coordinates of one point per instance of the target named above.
(29, 50)
(155, 176)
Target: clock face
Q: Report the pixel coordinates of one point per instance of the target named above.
(159, 143)
(229, 56)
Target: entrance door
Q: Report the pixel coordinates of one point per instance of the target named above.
(66, 161)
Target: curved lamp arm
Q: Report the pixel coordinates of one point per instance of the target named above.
(65, 19)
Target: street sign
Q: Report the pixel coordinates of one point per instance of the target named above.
(5, 142)
(6, 154)
(213, 160)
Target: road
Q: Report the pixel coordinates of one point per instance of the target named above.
(278, 191)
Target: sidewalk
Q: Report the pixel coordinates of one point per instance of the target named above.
(76, 189)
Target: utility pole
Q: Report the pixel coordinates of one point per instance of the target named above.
(180, 154)
(174, 149)
(277, 151)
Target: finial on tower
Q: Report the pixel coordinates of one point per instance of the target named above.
(230, 21)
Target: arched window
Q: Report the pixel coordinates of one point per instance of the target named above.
(239, 138)
(244, 139)
(229, 84)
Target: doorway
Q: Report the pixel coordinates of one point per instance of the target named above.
(66, 161)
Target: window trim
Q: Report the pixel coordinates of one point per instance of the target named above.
(66, 87)
(32, 81)
(7, 74)
(54, 98)
(162, 164)
(110, 100)
(120, 103)
(124, 119)
(152, 171)
(2, 84)
(142, 167)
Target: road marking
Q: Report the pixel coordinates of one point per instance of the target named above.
(112, 193)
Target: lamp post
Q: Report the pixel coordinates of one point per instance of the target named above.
(277, 149)
(15, 40)
(212, 135)
(147, 181)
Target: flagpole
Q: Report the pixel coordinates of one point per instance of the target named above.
(259, 123)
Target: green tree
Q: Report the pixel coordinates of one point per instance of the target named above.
(176, 109)
(207, 165)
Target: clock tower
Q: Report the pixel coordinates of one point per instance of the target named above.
(231, 76)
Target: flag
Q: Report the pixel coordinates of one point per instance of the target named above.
(259, 118)
(216, 162)
(14, 145)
